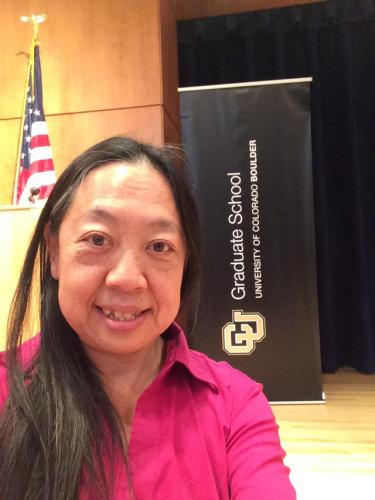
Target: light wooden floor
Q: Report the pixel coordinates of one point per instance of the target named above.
(331, 447)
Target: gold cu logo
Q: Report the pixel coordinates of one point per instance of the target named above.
(243, 332)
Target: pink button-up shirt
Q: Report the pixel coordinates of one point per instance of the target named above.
(201, 431)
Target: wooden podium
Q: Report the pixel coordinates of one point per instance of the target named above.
(17, 225)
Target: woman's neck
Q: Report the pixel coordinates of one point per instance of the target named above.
(125, 378)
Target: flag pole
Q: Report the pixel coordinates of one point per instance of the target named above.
(35, 20)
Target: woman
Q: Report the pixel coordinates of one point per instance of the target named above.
(108, 401)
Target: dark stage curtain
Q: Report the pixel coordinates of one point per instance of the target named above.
(334, 42)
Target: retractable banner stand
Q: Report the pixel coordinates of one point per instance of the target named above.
(249, 150)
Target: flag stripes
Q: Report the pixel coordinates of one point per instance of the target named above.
(36, 176)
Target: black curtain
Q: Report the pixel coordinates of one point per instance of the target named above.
(334, 42)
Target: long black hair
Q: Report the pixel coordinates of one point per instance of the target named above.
(58, 421)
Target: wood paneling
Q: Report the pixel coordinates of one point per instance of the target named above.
(70, 134)
(331, 447)
(169, 58)
(171, 132)
(207, 8)
(95, 54)
(18, 225)
(81, 130)
(9, 133)
(102, 74)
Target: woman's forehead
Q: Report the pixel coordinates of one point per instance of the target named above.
(119, 178)
(118, 188)
(116, 174)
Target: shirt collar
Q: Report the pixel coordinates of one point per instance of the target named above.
(177, 351)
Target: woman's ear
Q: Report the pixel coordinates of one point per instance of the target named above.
(52, 242)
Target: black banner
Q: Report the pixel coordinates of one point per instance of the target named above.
(249, 148)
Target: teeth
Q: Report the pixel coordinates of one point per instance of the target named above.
(120, 316)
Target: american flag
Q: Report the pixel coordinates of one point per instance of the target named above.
(36, 170)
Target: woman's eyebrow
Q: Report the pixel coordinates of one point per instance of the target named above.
(98, 213)
(159, 223)
(165, 224)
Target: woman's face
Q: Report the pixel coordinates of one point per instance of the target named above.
(119, 259)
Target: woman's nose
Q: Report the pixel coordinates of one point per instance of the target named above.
(126, 273)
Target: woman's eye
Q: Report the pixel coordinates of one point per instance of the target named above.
(160, 247)
(97, 240)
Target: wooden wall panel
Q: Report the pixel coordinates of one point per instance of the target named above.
(9, 133)
(97, 57)
(95, 54)
(172, 134)
(169, 61)
(70, 134)
(18, 225)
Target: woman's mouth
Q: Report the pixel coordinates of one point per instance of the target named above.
(120, 316)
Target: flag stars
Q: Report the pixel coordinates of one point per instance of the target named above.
(28, 138)
(26, 127)
(29, 99)
(36, 112)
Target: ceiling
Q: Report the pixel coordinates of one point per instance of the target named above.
(193, 9)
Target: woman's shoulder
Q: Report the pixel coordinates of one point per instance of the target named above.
(219, 374)
(26, 352)
(227, 379)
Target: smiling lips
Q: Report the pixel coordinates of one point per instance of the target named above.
(120, 316)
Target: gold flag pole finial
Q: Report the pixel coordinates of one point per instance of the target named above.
(35, 20)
